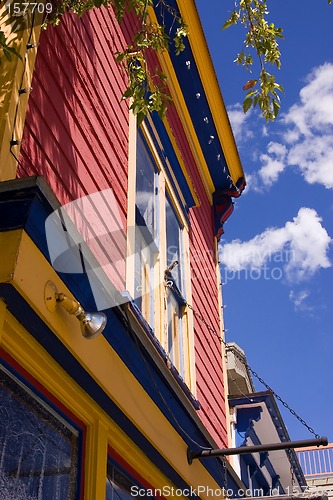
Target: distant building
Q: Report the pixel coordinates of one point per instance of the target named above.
(317, 465)
(255, 419)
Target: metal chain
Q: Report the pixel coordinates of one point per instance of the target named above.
(225, 477)
(293, 412)
(292, 472)
(254, 373)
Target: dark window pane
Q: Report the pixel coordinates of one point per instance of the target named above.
(146, 219)
(145, 187)
(38, 448)
(119, 485)
(174, 251)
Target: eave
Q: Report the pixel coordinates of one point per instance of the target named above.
(270, 427)
(197, 97)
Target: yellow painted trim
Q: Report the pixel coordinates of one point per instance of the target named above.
(134, 457)
(96, 459)
(161, 305)
(190, 375)
(15, 74)
(34, 359)
(3, 309)
(9, 244)
(130, 261)
(97, 357)
(211, 86)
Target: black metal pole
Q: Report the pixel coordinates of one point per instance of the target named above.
(191, 455)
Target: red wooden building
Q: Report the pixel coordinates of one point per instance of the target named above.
(124, 220)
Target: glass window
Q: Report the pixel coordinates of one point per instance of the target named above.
(146, 233)
(38, 448)
(146, 190)
(174, 245)
(175, 341)
(162, 307)
(175, 291)
(121, 485)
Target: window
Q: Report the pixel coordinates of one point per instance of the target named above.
(176, 286)
(146, 247)
(39, 449)
(160, 271)
(120, 485)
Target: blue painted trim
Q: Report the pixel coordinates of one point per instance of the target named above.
(167, 152)
(198, 107)
(245, 417)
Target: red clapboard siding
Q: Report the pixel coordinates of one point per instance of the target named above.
(208, 355)
(77, 128)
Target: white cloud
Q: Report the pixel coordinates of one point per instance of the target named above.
(273, 163)
(298, 298)
(301, 245)
(238, 120)
(306, 132)
(310, 128)
(314, 158)
(315, 111)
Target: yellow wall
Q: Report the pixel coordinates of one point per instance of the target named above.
(15, 74)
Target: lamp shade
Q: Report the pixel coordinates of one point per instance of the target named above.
(92, 324)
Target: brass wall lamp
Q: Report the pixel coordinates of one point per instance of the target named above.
(92, 324)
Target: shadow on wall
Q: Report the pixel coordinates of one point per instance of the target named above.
(76, 132)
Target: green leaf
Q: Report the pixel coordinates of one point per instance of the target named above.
(279, 87)
(140, 117)
(251, 93)
(13, 51)
(7, 54)
(276, 107)
(120, 56)
(128, 93)
(247, 104)
(227, 24)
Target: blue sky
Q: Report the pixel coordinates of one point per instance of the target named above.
(277, 248)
